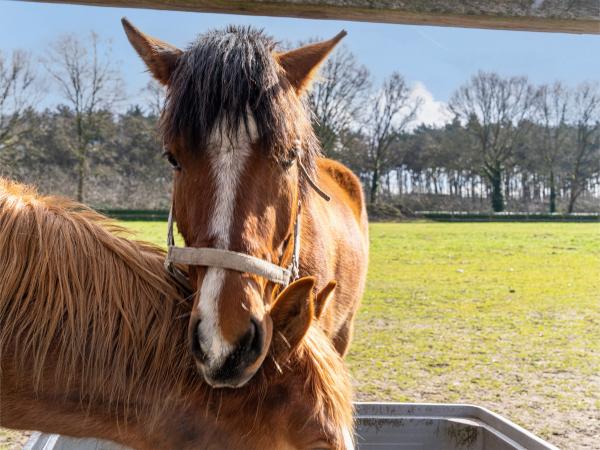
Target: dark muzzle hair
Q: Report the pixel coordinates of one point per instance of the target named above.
(221, 78)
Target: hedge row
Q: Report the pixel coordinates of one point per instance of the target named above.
(444, 216)
(441, 216)
(137, 214)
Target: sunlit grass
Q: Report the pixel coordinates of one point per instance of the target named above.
(501, 315)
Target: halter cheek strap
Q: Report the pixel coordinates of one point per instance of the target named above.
(241, 262)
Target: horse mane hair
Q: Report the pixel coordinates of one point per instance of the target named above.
(68, 281)
(221, 78)
(77, 296)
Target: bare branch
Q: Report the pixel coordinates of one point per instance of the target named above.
(19, 91)
(89, 82)
(337, 96)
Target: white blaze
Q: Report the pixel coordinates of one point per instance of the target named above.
(227, 161)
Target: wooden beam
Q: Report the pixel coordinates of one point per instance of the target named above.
(566, 16)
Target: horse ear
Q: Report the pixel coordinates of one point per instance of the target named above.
(293, 311)
(301, 64)
(323, 297)
(160, 58)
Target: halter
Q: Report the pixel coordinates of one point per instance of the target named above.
(240, 262)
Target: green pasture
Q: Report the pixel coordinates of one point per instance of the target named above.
(504, 315)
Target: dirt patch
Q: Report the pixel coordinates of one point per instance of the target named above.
(13, 440)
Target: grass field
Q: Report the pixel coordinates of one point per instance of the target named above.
(502, 315)
(506, 316)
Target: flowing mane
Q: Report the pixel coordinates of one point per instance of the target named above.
(96, 311)
(69, 278)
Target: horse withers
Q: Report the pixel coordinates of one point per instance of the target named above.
(249, 183)
(93, 343)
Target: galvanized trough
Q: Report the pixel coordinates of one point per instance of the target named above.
(421, 426)
(387, 426)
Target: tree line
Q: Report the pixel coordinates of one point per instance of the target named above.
(506, 143)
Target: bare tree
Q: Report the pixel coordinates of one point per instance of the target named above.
(551, 109)
(155, 96)
(18, 92)
(337, 97)
(495, 110)
(89, 82)
(388, 114)
(584, 162)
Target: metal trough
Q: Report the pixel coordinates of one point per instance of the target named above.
(421, 426)
(387, 426)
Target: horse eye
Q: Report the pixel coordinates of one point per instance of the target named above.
(172, 160)
(286, 165)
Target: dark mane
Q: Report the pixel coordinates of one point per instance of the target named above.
(224, 76)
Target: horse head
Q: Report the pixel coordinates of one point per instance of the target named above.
(238, 134)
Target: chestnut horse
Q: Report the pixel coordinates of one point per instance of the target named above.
(93, 342)
(238, 132)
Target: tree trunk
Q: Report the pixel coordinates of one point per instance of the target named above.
(81, 172)
(526, 194)
(552, 192)
(573, 198)
(495, 177)
(81, 153)
(388, 185)
(374, 185)
(400, 181)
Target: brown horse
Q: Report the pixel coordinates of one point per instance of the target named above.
(239, 136)
(93, 342)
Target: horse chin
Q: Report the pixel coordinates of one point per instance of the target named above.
(231, 383)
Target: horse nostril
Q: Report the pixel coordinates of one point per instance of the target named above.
(195, 344)
(255, 338)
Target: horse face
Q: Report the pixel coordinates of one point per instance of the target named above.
(233, 198)
(232, 119)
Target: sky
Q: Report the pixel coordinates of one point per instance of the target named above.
(434, 60)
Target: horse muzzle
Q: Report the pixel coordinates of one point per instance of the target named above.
(236, 367)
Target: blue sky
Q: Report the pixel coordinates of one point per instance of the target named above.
(435, 59)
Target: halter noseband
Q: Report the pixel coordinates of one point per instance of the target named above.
(241, 262)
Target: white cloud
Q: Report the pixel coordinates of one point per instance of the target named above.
(432, 112)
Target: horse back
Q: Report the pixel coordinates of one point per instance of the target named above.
(343, 184)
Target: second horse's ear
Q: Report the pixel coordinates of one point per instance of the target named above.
(160, 58)
(323, 297)
(292, 313)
